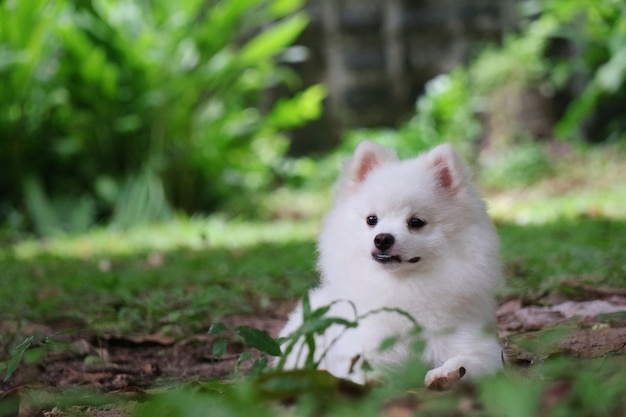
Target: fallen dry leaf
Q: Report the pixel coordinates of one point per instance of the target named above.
(512, 316)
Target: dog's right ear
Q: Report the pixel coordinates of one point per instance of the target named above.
(367, 157)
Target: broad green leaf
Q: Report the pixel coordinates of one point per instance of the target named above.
(279, 8)
(219, 347)
(259, 365)
(217, 328)
(259, 339)
(305, 106)
(272, 41)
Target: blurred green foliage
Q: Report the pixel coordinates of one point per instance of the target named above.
(571, 54)
(597, 34)
(516, 167)
(102, 99)
(123, 112)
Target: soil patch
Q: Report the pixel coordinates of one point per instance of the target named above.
(131, 365)
(113, 363)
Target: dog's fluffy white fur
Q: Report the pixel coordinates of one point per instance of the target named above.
(412, 235)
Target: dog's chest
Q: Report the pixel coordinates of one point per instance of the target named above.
(390, 305)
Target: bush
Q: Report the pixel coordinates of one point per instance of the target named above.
(517, 166)
(594, 66)
(562, 74)
(96, 93)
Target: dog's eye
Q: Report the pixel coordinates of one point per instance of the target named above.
(416, 223)
(372, 220)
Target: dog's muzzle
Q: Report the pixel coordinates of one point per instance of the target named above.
(384, 242)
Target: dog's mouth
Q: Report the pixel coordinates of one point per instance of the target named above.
(385, 258)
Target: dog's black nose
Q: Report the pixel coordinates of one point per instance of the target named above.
(384, 241)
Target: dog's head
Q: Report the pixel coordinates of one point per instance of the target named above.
(405, 214)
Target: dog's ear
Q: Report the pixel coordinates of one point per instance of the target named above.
(367, 157)
(448, 167)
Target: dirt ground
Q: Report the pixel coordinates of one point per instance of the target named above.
(595, 323)
(112, 363)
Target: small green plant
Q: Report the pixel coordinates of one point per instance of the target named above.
(316, 322)
(251, 337)
(17, 353)
(32, 349)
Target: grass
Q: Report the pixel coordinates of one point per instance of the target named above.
(179, 277)
(538, 258)
(570, 224)
(580, 183)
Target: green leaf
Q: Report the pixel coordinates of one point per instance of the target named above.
(36, 354)
(16, 356)
(610, 76)
(319, 326)
(388, 343)
(244, 357)
(279, 8)
(40, 208)
(222, 20)
(272, 41)
(511, 397)
(219, 347)
(259, 339)
(317, 313)
(290, 384)
(259, 366)
(577, 111)
(305, 106)
(217, 328)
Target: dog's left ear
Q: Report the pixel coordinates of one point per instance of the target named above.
(448, 167)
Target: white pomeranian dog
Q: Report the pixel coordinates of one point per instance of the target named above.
(413, 236)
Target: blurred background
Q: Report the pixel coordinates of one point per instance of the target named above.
(118, 113)
(164, 166)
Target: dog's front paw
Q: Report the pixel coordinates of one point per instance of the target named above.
(444, 377)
